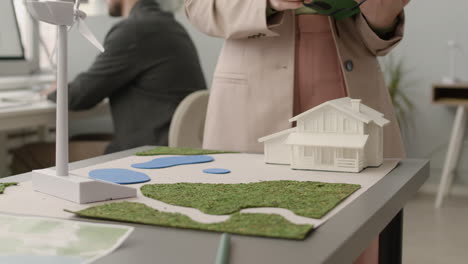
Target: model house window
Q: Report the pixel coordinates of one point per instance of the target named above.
(330, 122)
(345, 125)
(328, 156)
(311, 126)
(349, 154)
(309, 151)
(349, 126)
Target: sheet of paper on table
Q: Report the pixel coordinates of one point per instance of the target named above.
(44, 240)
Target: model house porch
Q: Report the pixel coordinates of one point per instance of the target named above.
(327, 152)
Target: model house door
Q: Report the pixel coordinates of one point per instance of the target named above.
(312, 155)
(328, 156)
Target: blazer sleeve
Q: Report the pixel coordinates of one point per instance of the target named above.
(375, 44)
(230, 19)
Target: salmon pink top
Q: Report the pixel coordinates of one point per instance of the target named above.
(318, 75)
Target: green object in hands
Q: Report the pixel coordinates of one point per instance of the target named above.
(338, 9)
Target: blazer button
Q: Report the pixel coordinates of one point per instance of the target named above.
(349, 65)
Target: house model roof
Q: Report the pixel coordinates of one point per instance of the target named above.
(282, 133)
(364, 113)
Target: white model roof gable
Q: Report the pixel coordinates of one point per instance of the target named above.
(276, 135)
(365, 110)
(365, 114)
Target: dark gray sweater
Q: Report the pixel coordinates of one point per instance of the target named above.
(149, 66)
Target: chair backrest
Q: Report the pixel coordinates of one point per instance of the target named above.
(188, 122)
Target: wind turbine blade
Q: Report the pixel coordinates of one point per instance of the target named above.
(53, 53)
(86, 32)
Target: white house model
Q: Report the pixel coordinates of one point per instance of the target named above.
(339, 135)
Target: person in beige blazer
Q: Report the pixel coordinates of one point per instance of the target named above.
(252, 90)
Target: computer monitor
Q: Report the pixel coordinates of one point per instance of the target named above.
(13, 59)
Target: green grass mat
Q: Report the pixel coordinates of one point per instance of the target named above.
(3, 186)
(244, 224)
(179, 151)
(309, 199)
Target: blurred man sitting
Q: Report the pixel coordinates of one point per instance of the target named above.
(149, 66)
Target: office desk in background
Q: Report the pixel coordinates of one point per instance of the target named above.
(35, 113)
(12, 82)
(339, 240)
(455, 94)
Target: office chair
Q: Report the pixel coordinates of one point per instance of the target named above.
(188, 123)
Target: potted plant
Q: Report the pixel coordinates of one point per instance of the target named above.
(396, 77)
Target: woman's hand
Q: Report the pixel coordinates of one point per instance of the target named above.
(382, 13)
(282, 5)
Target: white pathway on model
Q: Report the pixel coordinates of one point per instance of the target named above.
(201, 217)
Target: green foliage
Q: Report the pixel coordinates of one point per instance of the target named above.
(3, 186)
(179, 151)
(397, 81)
(243, 224)
(309, 199)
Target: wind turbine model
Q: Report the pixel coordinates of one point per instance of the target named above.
(59, 182)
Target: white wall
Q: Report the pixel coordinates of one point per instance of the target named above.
(430, 24)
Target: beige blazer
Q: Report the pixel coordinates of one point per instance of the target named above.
(252, 91)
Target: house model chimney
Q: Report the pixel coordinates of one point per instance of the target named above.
(356, 105)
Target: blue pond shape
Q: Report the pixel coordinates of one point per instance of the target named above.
(119, 176)
(167, 162)
(216, 171)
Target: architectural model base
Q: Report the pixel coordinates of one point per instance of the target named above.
(78, 189)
